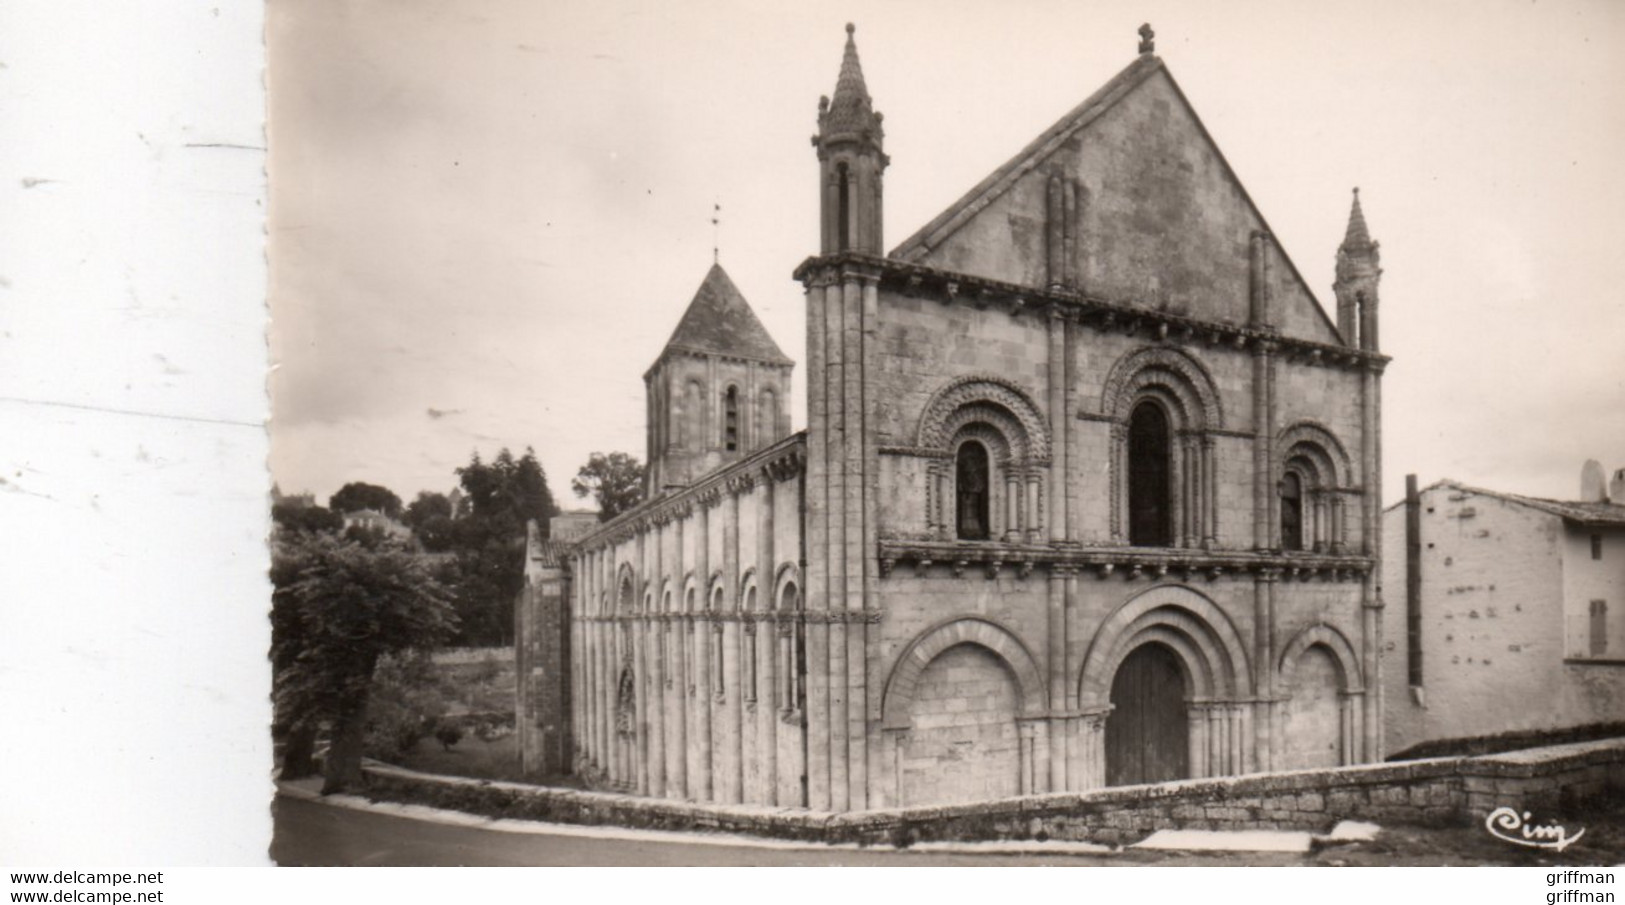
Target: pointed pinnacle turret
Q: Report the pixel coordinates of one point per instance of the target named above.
(1358, 236)
(852, 110)
(1359, 270)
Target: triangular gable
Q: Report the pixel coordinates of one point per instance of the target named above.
(720, 321)
(1162, 221)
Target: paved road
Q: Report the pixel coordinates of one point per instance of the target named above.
(313, 833)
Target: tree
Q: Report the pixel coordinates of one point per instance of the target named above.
(502, 495)
(427, 506)
(508, 491)
(297, 517)
(338, 607)
(615, 481)
(356, 496)
(430, 518)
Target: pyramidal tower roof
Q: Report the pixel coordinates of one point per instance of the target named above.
(720, 321)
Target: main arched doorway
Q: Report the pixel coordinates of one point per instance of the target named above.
(1148, 731)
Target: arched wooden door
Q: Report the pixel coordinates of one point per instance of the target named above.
(1148, 732)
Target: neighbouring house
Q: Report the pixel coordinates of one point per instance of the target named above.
(373, 520)
(1088, 496)
(1505, 612)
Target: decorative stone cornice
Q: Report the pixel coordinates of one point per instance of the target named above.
(781, 461)
(918, 452)
(1131, 563)
(749, 619)
(1089, 310)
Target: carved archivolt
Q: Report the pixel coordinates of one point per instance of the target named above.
(625, 595)
(905, 676)
(787, 576)
(991, 400)
(1170, 370)
(994, 438)
(1184, 619)
(1312, 441)
(1335, 643)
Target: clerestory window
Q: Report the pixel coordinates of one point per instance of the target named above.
(1149, 472)
(971, 483)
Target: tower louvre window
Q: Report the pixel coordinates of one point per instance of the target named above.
(1596, 546)
(730, 419)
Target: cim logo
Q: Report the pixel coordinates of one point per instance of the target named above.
(1508, 825)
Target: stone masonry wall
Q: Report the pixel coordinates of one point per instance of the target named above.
(1443, 791)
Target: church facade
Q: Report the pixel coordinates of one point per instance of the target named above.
(1088, 496)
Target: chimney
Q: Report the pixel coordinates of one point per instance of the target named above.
(1413, 585)
(1616, 488)
(1592, 489)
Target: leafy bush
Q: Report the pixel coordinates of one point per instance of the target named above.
(449, 733)
(405, 705)
(488, 670)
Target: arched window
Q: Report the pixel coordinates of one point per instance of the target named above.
(748, 680)
(718, 679)
(730, 419)
(792, 656)
(1149, 472)
(691, 647)
(1291, 511)
(660, 639)
(971, 491)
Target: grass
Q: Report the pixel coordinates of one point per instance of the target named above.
(496, 759)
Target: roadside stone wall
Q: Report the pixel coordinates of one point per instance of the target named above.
(1437, 792)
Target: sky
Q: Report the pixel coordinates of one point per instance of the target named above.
(487, 217)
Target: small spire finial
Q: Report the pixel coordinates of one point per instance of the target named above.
(850, 28)
(716, 226)
(1148, 42)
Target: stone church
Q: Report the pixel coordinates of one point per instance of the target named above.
(1088, 496)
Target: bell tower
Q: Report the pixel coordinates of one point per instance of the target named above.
(719, 390)
(850, 162)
